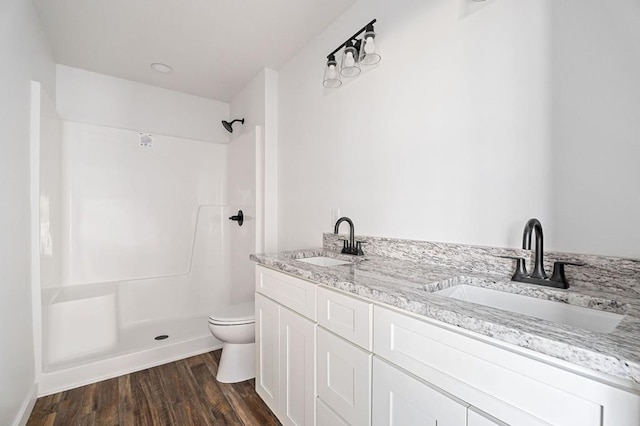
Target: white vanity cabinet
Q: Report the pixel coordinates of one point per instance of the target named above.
(325, 416)
(285, 345)
(344, 378)
(328, 358)
(344, 358)
(507, 384)
(476, 417)
(267, 351)
(346, 316)
(399, 399)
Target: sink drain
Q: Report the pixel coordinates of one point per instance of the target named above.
(162, 337)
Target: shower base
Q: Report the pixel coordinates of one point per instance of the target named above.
(136, 348)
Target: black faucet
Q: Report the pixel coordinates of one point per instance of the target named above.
(349, 246)
(529, 227)
(539, 276)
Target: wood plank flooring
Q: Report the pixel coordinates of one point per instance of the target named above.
(181, 393)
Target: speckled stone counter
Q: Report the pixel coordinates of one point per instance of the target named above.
(407, 281)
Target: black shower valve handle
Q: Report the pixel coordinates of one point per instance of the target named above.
(238, 218)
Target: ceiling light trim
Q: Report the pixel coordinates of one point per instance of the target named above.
(161, 68)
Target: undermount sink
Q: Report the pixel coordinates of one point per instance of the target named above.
(324, 261)
(562, 313)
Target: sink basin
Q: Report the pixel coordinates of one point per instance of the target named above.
(562, 313)
(324, 261)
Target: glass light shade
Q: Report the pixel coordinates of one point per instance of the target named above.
(369, 54)
(332, 74)
(350, 61)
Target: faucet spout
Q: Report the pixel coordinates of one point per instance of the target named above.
(531, 226)
(351, 247)
(538, 276)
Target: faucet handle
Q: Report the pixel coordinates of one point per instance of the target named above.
(558, 272)
(521, 269)
(358, 250)
(345, 245)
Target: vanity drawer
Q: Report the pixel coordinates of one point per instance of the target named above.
(508, 386)
(294, 293)
(346, 316)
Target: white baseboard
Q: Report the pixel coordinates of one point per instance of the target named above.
(27, 406)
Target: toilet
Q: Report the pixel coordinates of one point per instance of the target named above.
(235, 327)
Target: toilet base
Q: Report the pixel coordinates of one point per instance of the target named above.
(237, 363)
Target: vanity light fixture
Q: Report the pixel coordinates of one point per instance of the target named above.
(350, 60)
(356, 52)
(369, 51)
(332, 73)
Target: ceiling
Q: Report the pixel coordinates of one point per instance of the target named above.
(214, 46)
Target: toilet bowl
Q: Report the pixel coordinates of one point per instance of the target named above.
(235, 327)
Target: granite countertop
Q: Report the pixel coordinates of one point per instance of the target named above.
(410, 286)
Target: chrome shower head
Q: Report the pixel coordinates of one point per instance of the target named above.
(228, 125)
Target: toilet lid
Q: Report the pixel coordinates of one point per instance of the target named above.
(237, 314)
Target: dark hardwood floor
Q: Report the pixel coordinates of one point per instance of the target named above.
(181, 393)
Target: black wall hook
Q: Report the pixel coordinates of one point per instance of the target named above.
(238, 218)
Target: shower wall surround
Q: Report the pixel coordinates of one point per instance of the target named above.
(89, 97)
(50, 196)
(144, 242)
(130, 211)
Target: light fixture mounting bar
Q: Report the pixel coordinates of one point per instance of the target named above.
(351, 38)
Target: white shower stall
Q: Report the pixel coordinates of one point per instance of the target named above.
(133, 247)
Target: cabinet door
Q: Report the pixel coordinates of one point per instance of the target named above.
(476, 417)
(399, 399)
(297, 369)
(325, 416)
(267, 347)
(344, 378)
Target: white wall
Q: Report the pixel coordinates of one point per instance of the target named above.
(93, 98)
(249, 104)
(242, 196)
(257, 103)
(26, 56)
(596, 125)
(448, 139)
